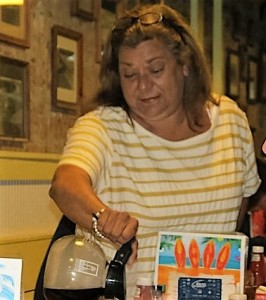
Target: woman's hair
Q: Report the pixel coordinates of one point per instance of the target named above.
(175, 33)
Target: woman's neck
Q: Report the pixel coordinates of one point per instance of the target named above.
(175, 128)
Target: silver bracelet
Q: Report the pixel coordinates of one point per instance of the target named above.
(95, 218)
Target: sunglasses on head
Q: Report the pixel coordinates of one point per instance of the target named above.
(146, 19)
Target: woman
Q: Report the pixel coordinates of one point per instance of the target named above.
(156, 151)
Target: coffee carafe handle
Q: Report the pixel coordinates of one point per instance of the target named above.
(115, 283)
(122, 255)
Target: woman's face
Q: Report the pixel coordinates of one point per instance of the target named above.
(151, 81)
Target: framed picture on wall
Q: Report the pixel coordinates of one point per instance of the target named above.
(66, 68)
(129, 4)
(107, 16)
(14, 24)
(14, 99)
(243, 56)
(238, 25)
(252, 82)
(232, 74)
(84, 9)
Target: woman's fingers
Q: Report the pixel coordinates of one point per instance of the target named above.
(134, 254)
(117, 226)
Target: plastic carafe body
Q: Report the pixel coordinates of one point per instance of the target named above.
(75, 269)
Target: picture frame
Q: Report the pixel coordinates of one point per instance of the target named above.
(238, 25)
(107, 15)
(251, 32)
(66, 68)
(243, 56)
(232, 74)
(252, 80)
(129, 4)
(14, 100)
(84, 9)
(14, 24)
(262, 76)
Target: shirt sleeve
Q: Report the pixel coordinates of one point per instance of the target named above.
(251, 178)
(87, 146)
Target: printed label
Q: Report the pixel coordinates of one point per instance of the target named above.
(199, 288)
(86, 267)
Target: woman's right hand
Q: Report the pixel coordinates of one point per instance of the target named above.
(119, 227)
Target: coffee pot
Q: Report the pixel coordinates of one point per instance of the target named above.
(77, 269)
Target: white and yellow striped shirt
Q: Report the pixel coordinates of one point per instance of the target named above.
(195, 184)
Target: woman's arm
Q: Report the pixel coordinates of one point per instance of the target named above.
(72, 192)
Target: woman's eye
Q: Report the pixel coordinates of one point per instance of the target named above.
(157, 70)
(129, 75)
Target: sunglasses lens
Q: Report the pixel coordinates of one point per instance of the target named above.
(123, 23)
(150, 18)
(146, 19)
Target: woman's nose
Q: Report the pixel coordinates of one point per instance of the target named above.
(145, 82)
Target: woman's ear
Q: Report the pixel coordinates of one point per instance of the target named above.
(185, 70)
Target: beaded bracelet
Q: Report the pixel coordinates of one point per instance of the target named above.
(95, 218)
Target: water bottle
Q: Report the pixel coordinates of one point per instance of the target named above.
(157, 292)
(257, 266)
(143, 289)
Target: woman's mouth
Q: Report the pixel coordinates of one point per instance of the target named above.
(149, 99)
